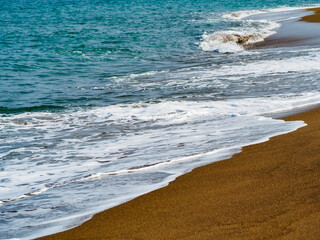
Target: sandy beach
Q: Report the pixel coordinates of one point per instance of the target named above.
(270, 190)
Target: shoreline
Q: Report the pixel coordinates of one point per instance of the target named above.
(266, 191)
(294, 32)
(269, 190)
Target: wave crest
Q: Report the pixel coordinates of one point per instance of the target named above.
(252, 31)
(228, 41)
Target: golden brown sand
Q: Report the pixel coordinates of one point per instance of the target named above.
(314, 18)
(269, 191)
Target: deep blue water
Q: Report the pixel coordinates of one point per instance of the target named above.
(102, 101)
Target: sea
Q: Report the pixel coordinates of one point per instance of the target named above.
(102, 101)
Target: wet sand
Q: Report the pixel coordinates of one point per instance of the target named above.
(304, 31)
(312, 18)
(269, 190)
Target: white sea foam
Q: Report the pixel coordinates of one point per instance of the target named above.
(300, 64)
(156, 116)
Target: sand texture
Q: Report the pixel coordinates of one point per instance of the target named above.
(270, 190)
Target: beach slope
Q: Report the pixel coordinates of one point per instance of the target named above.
(270, 190)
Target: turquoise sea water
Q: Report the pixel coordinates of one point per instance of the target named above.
(57, 54)
(102, 101)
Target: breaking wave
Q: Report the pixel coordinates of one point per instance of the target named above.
(229, 41)
(238, 40)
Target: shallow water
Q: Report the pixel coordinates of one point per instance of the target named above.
(103, 101)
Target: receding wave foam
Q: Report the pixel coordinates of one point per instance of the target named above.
(299, 64)
(95, 129)
(139, 147)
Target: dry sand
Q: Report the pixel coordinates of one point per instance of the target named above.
(268, 191)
